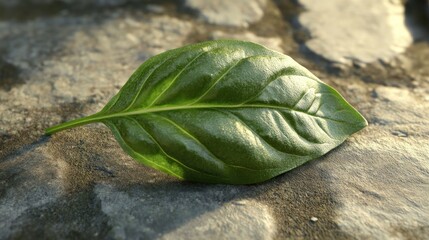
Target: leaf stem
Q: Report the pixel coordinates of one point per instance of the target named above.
(73, 123)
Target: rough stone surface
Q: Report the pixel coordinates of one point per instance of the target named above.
(14, 3)
(357, 30)
(385, 191)
(271, 42)
(29, 180)
(142, 213)
(238, 13)
(85, 59)
(79, 184)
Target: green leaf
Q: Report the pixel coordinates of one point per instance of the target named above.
(225, 112)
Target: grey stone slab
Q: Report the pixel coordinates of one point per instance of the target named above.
(184, 212)
(238, 13)
(355, 31)
(67, 59)
(381, 176)
(29, 179)
(274, 43)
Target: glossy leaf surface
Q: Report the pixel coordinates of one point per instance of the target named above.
(225, 112)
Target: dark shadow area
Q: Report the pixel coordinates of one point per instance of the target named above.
(290, 10)
(9, 75)
(74, 216)
(9, 175)
(27, 10)
(105, 189)
(417, 19)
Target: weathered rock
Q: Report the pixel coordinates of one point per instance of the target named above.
(13, 3)
(271, 42)
(356, 30)
(82, 61)
(184, 212)
(28, 179)
(238, 13)
(382, 176)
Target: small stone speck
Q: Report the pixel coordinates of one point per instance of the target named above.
(400, 133)
(314, 219)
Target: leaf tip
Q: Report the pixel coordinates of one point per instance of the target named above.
(361, 122)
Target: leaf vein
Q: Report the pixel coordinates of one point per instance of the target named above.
(217, 80)
(302, 137)
(205, 147)
(176, 77)
(324, 130)
(117, 133)
(256, 133)
(145, 80)
(165, 153)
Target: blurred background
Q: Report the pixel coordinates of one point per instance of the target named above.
(63, 59)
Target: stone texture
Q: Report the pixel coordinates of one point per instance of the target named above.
(84, 60)
(381, 176)
(13, 3)
(238, 13)
(179, 213)
(271, 42)
(356, 30)
(29, 180)
(79, 184)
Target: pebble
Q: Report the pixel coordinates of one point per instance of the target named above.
(400, 133)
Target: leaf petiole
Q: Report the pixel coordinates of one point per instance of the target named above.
(74, 123)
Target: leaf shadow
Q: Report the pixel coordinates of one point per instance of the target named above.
(168, 207)
(109, 195)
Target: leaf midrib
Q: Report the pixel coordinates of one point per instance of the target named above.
(100, 116)
(201, 106)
